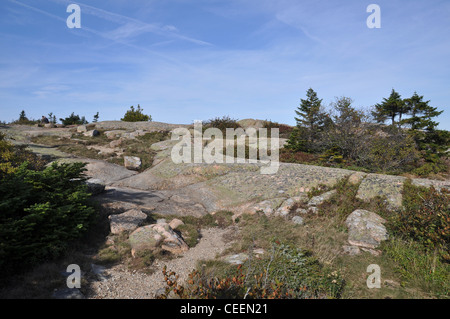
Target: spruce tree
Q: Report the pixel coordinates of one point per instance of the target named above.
(421, 113)
(390, 108)
(310, 122)
(309, 112)
(23, 117)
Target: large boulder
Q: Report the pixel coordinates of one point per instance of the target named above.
(132, 162)
(128, 221)
(365, 229)
(153, 236)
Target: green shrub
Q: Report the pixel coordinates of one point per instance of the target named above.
(430, 168)
(288, 155)
(425, 217)
(73, 120)
(136, 115)
(221, 123)
(23, 120)
(12, 156)
(394, 153)
(41, 212)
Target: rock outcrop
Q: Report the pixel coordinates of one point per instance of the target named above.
(156, 235)
(128, 221)
(366, 230)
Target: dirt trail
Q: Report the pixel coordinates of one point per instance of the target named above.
(126, 284)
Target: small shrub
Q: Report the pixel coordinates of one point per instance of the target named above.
(288, 155)
(23, 120)
(395, 153)
(12, 156)
(136, 115)
(288, 273)
(221, 123)
(73, 120)
(425, 217)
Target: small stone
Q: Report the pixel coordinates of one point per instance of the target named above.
(301, 211)
(81, 129)
(237, 259)
(318, 200)
(351, 250)
(91, 133)
(297, 220)
(132, 162)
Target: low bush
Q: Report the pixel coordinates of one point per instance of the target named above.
(12, 156)
(425, 218)
(136, 115)
(222, 123)
(41, 213)
(288, 273)
(73, 120)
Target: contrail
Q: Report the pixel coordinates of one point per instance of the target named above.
(118, 18)
(102, 35)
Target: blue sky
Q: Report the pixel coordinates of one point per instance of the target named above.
(183, 60)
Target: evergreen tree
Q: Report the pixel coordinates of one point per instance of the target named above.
(23, 117)
(421, 113)
(95, 118)
(309, 112)
(311, 120)
(136, 115)
(390, 108)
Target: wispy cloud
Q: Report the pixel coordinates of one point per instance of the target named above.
(131, 26)
(116, 37)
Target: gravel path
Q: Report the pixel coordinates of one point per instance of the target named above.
(125, 284)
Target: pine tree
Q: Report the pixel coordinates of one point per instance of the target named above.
(421, 113)
(390, 108)
(22, 117)
(309, 112)
(310, 122)
(95, 118)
